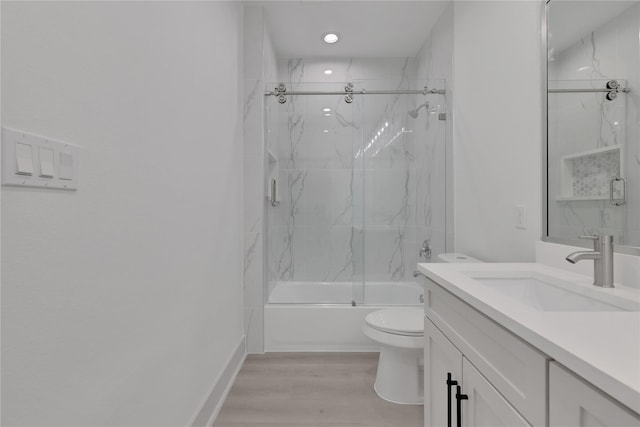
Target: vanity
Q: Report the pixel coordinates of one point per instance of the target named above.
(528, 345)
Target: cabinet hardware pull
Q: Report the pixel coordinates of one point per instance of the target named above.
(460, 398)
(450, 383)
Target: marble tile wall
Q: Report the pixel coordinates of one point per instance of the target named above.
(349, 209)
(579, 122)
(259, 66)
(435, 199)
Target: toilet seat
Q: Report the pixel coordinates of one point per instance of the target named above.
(403, 321)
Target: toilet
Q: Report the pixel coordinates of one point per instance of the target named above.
(400, 333)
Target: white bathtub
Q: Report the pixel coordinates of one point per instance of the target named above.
(327, 321)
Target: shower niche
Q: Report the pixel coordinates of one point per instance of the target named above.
(596, 174)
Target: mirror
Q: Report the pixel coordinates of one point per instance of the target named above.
(593, 122)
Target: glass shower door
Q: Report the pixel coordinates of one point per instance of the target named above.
(404, 184)
(315, 242)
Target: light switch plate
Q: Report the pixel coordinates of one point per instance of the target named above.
(66, 167)
(24, 159)
(46, 162)
(44, 165)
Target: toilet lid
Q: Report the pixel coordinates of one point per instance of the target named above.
(401, 321)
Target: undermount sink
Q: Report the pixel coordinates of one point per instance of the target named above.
(546, 293)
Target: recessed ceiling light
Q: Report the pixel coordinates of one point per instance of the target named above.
(326, 131)
(330, 38)
(327, 114)
(326, 110)
(328, 71)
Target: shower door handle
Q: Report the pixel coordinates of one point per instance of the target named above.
(274, 202)
(450, 383)
(612, 199)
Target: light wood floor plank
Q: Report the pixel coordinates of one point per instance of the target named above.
(312, 389)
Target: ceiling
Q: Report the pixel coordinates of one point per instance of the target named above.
(368, 29)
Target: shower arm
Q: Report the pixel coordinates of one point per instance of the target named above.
(414, 113)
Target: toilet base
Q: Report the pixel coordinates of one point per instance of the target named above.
(400, 377)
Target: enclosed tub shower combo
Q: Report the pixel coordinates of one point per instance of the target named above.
(356, 196)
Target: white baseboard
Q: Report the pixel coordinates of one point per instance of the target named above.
(212, 403)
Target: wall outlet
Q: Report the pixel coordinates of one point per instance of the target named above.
(521, 217)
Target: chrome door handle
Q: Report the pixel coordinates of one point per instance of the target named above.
(274, 203)
(623, 200)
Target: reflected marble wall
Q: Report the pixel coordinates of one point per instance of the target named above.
(579, 122)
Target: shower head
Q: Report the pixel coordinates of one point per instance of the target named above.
(414, 113)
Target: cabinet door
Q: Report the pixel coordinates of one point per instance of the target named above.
(514, 367)
(485, 407)
(573, 402)
(440, 358)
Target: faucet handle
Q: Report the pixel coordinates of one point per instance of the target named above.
(595, 238)
(590, 237)
(602, 239)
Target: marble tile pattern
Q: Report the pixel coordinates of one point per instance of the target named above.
(259, 66)
(435, 176)
(592, 174)
(349, 207)
(579, 122)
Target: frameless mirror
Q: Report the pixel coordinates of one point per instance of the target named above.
(593, 121)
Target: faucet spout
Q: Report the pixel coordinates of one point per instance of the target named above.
(602, 256)
(580, 255)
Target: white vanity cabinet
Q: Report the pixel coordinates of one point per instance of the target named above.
(503, 376)
(442, 374)
(502, 379)
(573, 402)
(455, 388)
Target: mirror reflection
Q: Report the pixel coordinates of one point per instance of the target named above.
(593, 169)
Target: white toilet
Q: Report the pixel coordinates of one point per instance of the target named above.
(400, 332)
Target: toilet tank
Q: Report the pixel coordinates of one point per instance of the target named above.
(456, 257)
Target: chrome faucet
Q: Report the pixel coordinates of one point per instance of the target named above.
(602, 256)
(425, 250)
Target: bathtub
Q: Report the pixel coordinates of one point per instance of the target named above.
(327, 320)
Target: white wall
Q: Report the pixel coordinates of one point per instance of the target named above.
(497, 127)
(122, 302)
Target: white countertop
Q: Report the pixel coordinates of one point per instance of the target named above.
(601, 347)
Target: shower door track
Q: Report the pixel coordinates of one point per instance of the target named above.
(281, 92)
